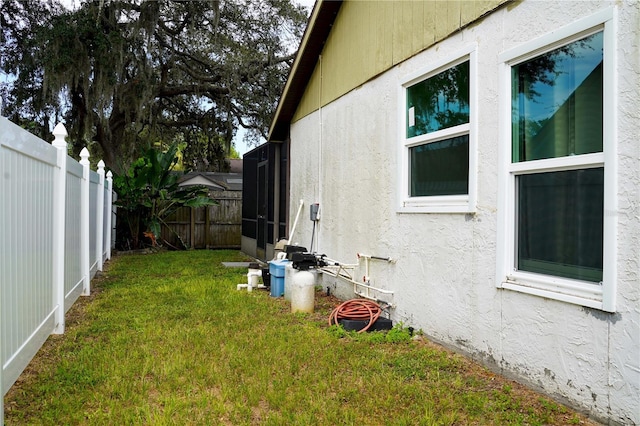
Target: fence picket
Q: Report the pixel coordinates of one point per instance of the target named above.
(85, 251)
(100, 216)
(59, 204)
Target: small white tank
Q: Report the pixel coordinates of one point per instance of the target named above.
(289, 272)
(303, 292)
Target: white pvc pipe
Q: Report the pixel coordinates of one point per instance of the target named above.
(348, 276)
(295, 222)
(252, 280)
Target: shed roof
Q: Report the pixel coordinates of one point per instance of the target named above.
(320, 22)
(214, 181)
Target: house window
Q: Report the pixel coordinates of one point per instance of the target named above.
(558, 178)
(559, 223)
(440, 168)
(438, 145)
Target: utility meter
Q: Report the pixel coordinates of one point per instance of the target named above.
(314, 211)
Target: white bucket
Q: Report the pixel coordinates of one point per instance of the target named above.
(303, 292)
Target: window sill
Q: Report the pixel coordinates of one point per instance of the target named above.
(442, 204)
(576, 292)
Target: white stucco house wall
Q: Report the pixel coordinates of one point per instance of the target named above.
(460, 271)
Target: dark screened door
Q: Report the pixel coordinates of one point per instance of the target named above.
(261, 237)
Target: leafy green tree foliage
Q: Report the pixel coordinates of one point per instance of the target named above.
(127, 73)
(205, 152)
(26, 103)
(148, 193)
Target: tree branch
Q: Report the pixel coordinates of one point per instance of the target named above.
(191, 89)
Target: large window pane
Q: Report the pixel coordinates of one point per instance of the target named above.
(560, 223)
(439, 102)
(557, 102)
(440, 168)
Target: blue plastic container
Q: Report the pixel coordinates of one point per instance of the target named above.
(276, 270)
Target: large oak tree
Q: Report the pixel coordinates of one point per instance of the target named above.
(124, 74)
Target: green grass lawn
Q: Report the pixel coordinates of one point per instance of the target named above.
(167, 339)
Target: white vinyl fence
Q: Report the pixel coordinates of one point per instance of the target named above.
(55, 234)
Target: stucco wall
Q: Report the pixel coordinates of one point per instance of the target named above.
(345, 156)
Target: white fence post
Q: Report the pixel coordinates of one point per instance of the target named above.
(100, 216)
(109, 212)
(84, 223)
(59, 203)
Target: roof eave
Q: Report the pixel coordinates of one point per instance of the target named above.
(313, 40)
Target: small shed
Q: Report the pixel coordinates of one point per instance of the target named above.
(213, 227)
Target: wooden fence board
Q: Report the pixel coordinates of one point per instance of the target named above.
(213, 227)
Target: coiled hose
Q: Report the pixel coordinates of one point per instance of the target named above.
(356, 309)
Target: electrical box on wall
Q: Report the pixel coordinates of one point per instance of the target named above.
(314, 211)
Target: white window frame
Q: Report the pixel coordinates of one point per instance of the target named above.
(444, 203)
(595, 295)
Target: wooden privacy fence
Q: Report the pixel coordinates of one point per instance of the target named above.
(213, 227)
(56, 220)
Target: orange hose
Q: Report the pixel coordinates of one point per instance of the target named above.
(356, 309)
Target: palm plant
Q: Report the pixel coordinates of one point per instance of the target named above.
(148, 192)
